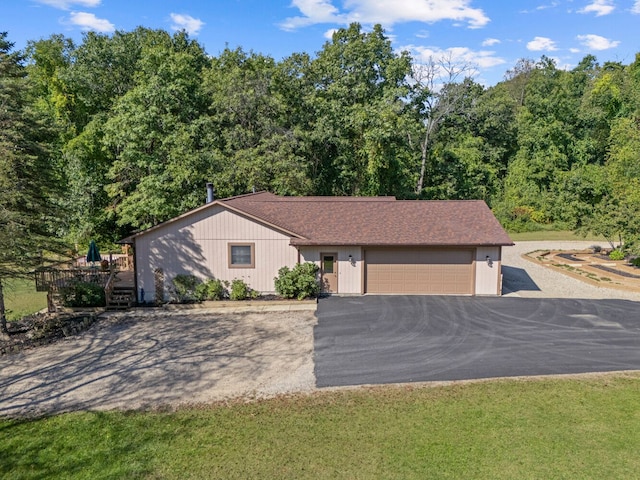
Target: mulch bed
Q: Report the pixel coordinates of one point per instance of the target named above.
(570, 257)
(621, 273)
(42, 329)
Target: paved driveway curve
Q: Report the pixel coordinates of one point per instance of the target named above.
(389, 339)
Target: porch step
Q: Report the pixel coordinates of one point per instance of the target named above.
(121, 298)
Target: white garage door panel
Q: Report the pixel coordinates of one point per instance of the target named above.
(430, 271)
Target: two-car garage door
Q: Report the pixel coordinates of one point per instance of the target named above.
(419, 271)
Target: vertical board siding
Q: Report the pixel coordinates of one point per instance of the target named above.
(349, 273)
(198, 245)
(488, 277)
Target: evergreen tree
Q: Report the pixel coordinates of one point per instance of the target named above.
(28, 184)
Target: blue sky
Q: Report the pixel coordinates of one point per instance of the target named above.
(490, 34)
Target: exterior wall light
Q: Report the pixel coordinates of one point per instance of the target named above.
(489, 261)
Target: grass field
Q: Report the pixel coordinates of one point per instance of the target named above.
(557, 235)
(21, 298)
(551, 428)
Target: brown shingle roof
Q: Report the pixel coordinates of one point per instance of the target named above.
(375, 220)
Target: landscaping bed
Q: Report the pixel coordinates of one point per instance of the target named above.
(590, 267)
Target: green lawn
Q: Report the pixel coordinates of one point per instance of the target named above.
(558, 235)
(552, 428)
(21, 298)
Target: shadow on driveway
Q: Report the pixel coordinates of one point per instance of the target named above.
(390, 339)
(517, 280)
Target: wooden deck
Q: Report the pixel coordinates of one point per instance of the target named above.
(125, 279)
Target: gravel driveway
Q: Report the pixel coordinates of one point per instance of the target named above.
(523, 278)
(152, 358)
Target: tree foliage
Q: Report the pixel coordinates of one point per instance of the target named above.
(29, 187)
(124, 130)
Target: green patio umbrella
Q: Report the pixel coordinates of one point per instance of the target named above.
(93, 255)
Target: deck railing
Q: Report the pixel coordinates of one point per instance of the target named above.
(52, 280)
(120, 261)
(108, 288)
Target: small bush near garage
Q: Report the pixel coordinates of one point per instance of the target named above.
(300, 282)
(83, 294)
(186, 288)
(616, 255)
(213, 289)
(241, 291)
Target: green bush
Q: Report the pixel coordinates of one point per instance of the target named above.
(185, 288)
(212, 289)
(241, 291)
(299, 282)
(83, 294)
(636, 262)
(616, 255)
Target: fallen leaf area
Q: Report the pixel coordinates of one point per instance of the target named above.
(42, 329)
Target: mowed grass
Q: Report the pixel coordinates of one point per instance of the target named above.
(525, 429)
(556, 235)
(21, 298)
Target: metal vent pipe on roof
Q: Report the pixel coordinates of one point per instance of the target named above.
(211, 194)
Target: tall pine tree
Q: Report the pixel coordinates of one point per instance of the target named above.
(27, 182)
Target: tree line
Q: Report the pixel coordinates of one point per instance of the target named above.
(122, 131)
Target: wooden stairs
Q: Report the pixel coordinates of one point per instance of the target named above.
(121, 298)
(120, 291)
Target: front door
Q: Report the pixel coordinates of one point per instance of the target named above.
(329, 272)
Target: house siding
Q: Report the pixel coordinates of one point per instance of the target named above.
(488, 276)
(349, 272)
(198, 245)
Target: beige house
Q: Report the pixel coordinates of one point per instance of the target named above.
(363, 245)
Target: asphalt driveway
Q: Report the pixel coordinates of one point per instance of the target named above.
(389, 339)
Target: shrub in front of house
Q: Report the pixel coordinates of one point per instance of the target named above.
(300, 282)
(82, 295)
(213, 289)
(616, 255)
(241, 291)
(185, 289)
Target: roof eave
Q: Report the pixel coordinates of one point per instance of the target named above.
(314, 243)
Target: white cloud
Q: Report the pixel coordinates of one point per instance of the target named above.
(599, 7)
(186, 22)
(636, 7)
(88, 21)
(68, 4)
(457, 55)
(596, 42)
(329, 33)
(574, 50)
(541, 43)
(387, 13)
(490, 41)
